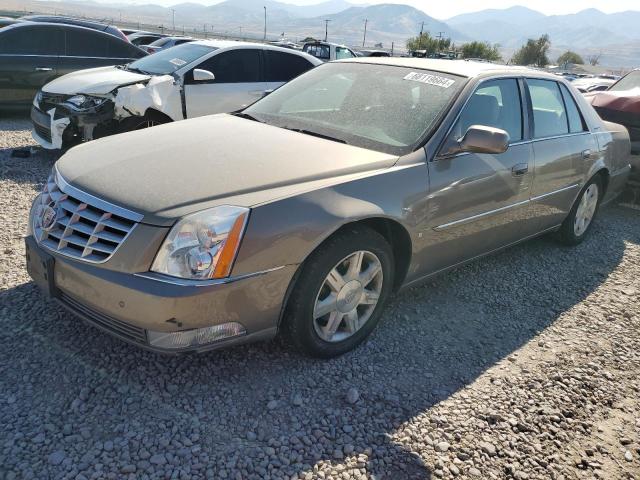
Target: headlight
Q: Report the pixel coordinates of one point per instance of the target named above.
(203, 245)
(85, 102)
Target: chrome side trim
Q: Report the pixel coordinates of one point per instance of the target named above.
(185, 282)
(544, 195)
(479, 216)
(88, 198)
(502, 209)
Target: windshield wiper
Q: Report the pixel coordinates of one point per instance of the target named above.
(134, 69)
(316, 134)
(246, 116)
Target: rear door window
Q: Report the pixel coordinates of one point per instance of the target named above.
(549, 114)
(120, 49)
(282, 67)
(342, 52)
(576, 123)
(85, 43)
(235, 66)
(32, 40)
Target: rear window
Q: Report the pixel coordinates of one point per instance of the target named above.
(322, 52)
(282, 67)
(629, 82)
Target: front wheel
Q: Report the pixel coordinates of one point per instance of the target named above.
(340, 294)
(580, 219)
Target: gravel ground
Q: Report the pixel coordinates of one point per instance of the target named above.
(522, 365)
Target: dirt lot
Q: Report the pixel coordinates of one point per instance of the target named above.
(523, 365)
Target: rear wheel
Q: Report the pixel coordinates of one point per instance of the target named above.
(340, 294)
(580, 219)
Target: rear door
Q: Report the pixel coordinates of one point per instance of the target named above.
(480, 202)
(280, 67)
(28, 60)
(562, 146)
(238, 83)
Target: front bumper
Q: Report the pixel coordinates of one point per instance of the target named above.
(55, 126)
(127, 306)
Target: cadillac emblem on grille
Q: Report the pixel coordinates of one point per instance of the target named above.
(64, 223)
(48, 218)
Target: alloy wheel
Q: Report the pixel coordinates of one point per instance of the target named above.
(348, 296)
(586, 210)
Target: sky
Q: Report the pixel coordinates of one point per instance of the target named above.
(443, 10)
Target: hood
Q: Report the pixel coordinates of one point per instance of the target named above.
(99, 81)
(171, 170)
(623, 101)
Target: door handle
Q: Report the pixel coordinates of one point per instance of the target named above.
(43, 69)
(586, 154)
(520, 169)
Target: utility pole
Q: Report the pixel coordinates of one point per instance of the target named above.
(421, 29)
(173, 12)
(392, 49)
(366, 20)
(326, 29)
(265, 23)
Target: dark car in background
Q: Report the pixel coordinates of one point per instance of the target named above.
(6, 21)
(80, 22)
(144, 38)
(166, 42)
(32, 54)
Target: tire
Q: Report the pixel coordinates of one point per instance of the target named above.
(574, 229)
(309, 333)
(150, 119)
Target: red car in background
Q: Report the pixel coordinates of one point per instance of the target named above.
(621, 104)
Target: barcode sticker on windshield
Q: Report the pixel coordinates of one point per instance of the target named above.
(430, 79)
(177, 61)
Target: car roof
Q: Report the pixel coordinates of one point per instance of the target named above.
(234, 43)
(463, 68)
(28, 23)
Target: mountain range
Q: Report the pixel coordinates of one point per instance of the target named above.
(615, 36)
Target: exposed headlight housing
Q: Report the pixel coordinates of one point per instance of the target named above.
(203, 245)
(84, 102)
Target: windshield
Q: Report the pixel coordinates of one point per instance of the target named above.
(168, 61)
(629, 82)
(379, 107)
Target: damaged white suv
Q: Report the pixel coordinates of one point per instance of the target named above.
(186, 81)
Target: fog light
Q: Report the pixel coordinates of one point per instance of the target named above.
(196, 337)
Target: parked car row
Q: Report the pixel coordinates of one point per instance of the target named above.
(303, 212)
(189, 80)
(34, 53)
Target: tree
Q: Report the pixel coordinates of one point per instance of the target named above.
(309, 40)
(483, 50)
(534, 52)
(594, 60)
(571, 58)
(427, 42)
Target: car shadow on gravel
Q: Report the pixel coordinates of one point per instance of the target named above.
(262, 408)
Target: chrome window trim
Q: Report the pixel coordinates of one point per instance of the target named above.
(88, 198)
(515, 144)
(478, 216)
(186, 282)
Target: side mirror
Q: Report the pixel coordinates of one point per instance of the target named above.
(481, 139)
(200, 75)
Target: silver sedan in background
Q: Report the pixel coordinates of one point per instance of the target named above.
(305, 211)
